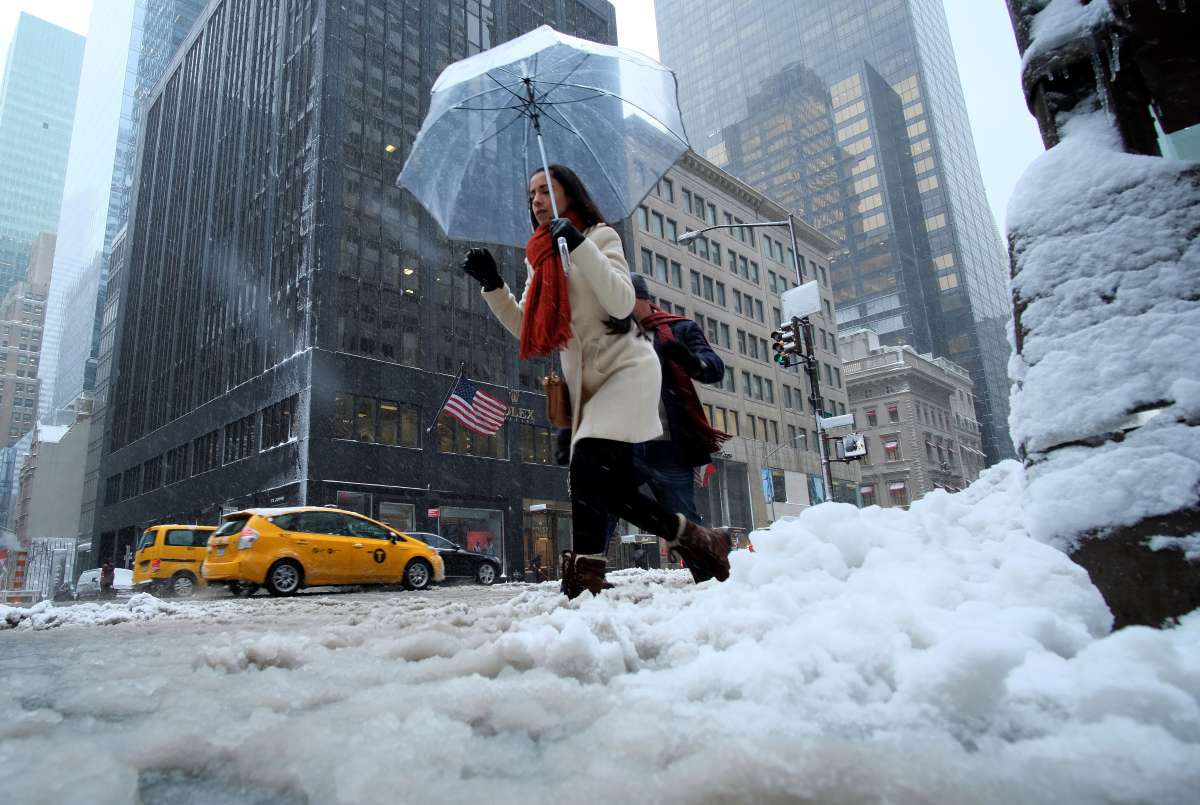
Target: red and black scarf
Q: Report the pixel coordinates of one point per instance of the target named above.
(547, 324)
(659, 323)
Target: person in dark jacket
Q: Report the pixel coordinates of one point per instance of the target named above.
(666, 464)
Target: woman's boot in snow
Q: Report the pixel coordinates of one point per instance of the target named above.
(705, 551)
(581, 573)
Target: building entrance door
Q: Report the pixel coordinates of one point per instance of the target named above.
(547, 534)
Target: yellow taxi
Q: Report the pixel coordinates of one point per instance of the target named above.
(168, 559)
(314, 546)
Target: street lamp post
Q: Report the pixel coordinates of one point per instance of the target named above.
(691, 235)
(813, 373)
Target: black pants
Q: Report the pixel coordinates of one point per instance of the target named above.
(603, 483)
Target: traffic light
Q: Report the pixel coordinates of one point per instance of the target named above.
(786, 341)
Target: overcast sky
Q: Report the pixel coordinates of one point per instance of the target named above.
(1006, 136)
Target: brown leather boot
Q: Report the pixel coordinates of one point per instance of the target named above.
(580, 573)
(705, 551)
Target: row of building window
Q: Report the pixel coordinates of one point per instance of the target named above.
(242, 439)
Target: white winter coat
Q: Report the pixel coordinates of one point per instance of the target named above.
(614, 380)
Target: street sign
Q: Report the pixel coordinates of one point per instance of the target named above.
(843, 421)
(802, 300)
(434, 512)
(539, 507)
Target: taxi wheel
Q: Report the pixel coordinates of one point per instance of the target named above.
(417, 575)
(284, 578)
(486, 574)
(182, 585)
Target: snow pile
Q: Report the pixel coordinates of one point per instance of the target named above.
(1059, 21)
(139, 607)
(1107, 259)
(934, 655)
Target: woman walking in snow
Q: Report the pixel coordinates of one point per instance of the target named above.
(613, 375)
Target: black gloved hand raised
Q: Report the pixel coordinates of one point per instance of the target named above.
(481, 266)
(678, 352)
(562, 228)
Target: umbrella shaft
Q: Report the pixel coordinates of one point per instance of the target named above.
(546, 168)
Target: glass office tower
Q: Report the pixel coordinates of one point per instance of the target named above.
(37, 107)
(928, 269)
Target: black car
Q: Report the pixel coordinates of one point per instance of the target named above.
(460, 562)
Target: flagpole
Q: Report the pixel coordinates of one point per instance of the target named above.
(462, 367)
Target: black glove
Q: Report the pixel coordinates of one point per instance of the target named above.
(562, 228)
(678, 352)
(481, 266)
(562, 447)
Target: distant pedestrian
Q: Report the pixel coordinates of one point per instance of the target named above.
(639, 557)
(667, 464)
(108, 575)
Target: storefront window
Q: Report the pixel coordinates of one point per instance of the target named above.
(400, 516)
(477, 530)
(355, 502)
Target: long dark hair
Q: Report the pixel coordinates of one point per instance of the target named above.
(578, 196)
(581, 202)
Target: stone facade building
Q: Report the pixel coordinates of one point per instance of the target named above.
(22, 314)
(730, 280)
(916, 414)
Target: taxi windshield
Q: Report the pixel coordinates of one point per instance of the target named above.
(147, 539)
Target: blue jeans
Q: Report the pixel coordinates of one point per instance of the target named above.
(672, 483)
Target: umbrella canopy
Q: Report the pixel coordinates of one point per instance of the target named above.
(609, 114)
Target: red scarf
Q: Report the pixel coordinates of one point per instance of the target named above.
(547, 324)
(659, 322)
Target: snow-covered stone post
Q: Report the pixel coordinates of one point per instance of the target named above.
(1105, 259)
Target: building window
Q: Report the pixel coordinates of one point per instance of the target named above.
(367, 419)
(891, 448)
(537, 444)
(893, 412)
(695, 282)
(868, 494)
(455, 438)
(898, 491)
(176, 468)
(206, 452)
(279, 422)
(239, 439)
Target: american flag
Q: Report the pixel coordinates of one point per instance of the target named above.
(701, 475)
(475, 409)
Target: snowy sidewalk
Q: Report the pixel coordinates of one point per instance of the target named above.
(935, 655)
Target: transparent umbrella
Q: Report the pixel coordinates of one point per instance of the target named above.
(609, 114)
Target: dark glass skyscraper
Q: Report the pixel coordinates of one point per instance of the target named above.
(923, 262)
(291, 321)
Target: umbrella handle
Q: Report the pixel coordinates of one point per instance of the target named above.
(564, 255)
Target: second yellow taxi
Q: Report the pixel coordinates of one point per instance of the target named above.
(285, 550)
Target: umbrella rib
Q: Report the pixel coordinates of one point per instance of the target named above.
(647, 113)
(500, 130)
(486, 92)
(487, 108)
(570, 127)
(507, 89)
(561, 83)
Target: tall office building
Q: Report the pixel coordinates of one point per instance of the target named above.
(922, 260)
(137, 39)
(130, 43)
(290, 321)
(37, 107)
(83, 222)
